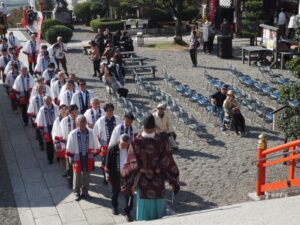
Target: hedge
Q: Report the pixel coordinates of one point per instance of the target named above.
(47, 23)
(104, 23)
(157, 15)
(58, 30)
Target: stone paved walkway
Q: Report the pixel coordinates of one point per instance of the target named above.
(41, 193)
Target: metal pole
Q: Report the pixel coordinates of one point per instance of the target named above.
(261, 170)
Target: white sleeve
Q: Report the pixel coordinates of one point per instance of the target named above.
(31, 111)
(56, 130)
(7, 68)
(38, 67)
(96, 143)
(114, 137)
(97, 128)
(70, 144)
(88, 117)
(39, 119)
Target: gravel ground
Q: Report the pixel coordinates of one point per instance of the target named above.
(215, 168)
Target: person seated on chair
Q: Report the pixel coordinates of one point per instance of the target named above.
(111, 82)
(232, 110)
(217, 100)
(164, 126)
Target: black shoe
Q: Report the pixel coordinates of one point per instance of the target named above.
(77, 197)
(115, 211)
(128, 217)
(86, 196)
(50, 162)
(104, 182)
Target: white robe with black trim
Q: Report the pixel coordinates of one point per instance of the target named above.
(18, 85)
(89, 117)
(36, 102)
(76, 99)
(66, 128)
(63, 97)
(15, 62)
(28, 49)
(116, 134)
(42, 64)
(56, 88)
(47, 91)
(4, 63)
(47, 77)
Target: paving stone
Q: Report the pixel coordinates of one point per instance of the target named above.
(49, 220)
(17, 184)
(61, 194)
(26, 217)
(83, 222)
(54, 179)
(70, 212)
(95, 202)
(45, 167)
(32, 175)
(104, 219)
(37, 190)
(22, 149)
(42, 207)
(18, 139)
(21, 199)
(27, 162)
(13, 170)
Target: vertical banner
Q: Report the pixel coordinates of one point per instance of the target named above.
(212, 10)
(39, 25)
(24, 18)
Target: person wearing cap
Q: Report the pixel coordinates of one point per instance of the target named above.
(104, 128)
(164, 125)
(95, 57)
(149, 164)
(125, 128)
(114, 163)
(82, 147)
(49, 73)
(94, 113)
(82, 98)
(217, 100)
(14, 60)
(9, 82)
(31, 49)
(43, 63)
(232, 110)
(46, 89)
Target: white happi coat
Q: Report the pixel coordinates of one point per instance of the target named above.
(4, 60)
(14, 42)
(47, 76)
(67, 125)
(36, 102)
(7, 46)
(92, 116)
(10, 80)
(42, 64)
(56, 136)
(100, 130)
(65, 97)
(47, 91)
(118, 131)
(59, 53)
(76, 99)
(56, 87)
(41, 120)
(64, 88)
(15, 62)
(18, 85)
(28, 48)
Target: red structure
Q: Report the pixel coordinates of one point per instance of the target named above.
(266, 157)
(213, 5)
(41, 4)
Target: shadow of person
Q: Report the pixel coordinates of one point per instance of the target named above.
(189, 154)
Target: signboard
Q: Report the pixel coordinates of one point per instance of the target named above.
(269, 39)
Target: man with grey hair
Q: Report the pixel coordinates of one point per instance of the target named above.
(44, 121)
(115, 160)
(59, 50)
(94, 113)
(31, 49)
(82, 147)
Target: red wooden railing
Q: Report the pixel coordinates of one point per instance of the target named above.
(264, 160)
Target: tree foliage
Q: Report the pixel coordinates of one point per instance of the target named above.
(82, 11)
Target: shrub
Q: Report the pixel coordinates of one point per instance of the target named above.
(82, 11)
(190, 13)
(47, 24)
(96, 9)
(112, 25)
(58, 30)
(157, 15)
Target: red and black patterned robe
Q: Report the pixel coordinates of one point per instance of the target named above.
(154, 155)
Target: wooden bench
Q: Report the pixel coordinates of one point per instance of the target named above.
(137, 59)
(135, 67)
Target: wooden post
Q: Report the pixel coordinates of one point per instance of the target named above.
(261, 170)
(291, 174)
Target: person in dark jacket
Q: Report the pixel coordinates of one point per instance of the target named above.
(115, 160)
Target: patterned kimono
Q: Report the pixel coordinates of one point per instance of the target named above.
(31, 49)
(42, 64)
(82, 100)
(151, 154)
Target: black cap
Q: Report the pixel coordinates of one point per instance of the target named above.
(149, 122)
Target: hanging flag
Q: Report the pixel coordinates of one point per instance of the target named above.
(24, 18)
(39, 25)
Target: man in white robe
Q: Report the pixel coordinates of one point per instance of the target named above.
(125, 128)
(65, 97)
(49, 74)
(14, 42)
(82, 97)
(9, 82)
(23, 87)
(104, 128)
(31, 49)
(4, 59)
(43, 63)
(46, 89)
(57, 85)
(94, 113)
(13, 61)
(73, 78)
(59, 52)
(44, 121)
(82, 148)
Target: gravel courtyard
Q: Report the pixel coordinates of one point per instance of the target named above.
(216, 168)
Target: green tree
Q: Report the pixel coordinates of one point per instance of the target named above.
(252, 16)
(82, 11)
(49, 6)
(96, 9)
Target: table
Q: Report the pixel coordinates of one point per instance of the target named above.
(252, 50)
(282, 57)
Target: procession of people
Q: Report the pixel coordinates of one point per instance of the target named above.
(76, 129)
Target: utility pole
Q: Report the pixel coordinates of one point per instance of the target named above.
(238, 15)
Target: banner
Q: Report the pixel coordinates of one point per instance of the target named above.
(39, 25)
(24, 18)
(212, 10)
